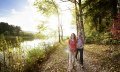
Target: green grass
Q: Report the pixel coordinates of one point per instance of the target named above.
(17, 60)
(37, 56)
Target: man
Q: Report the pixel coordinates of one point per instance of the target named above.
(80, 46)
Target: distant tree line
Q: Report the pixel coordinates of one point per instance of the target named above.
(12, 30)
(7, 29)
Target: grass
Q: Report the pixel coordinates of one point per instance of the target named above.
(17, 60)
(37, 56)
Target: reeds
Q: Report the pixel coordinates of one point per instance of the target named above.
(13, 58)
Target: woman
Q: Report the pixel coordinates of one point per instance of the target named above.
(80, 43)
(72, 50)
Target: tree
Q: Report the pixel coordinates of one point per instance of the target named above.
(101, 13)
(79, 16)
(7, 29)
(48, 7)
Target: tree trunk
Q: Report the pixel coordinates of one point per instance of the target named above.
(61, 32)
(77, 17)
(59, 29)
(81, 26)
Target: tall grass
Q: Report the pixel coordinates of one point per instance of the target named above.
(18, 60)
(10, 59)
(37, 56)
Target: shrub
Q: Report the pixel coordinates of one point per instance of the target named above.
(36, 56)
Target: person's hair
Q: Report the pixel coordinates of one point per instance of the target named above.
(74, 36)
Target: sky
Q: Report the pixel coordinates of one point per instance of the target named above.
(10, 5)
(22, 13)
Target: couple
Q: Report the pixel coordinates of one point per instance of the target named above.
(75, 46)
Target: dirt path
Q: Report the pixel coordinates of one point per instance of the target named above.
(58, 61)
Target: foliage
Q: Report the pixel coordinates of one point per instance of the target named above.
(10, 42)
(18, 60)
(47, 7)
(41, 30)
(100, 13)
(11, 32)
(37, 56)
(7, 29)
(44, 32)
(33, 57)
(101, 38)
(10, 59)
(98, 16)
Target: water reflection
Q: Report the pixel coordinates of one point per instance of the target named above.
(25, 44)
(28, 45)
(13, 42)
(33, 43)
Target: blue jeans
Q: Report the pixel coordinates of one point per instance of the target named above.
(80, 50)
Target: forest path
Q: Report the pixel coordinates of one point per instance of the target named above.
(94, 60)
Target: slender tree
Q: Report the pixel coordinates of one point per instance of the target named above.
(49, 7)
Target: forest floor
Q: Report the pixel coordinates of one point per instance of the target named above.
(97, 58)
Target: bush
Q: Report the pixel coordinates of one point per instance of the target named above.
(36, 56)
(89, 40)
(33, 56)
(94, 37)
(101, 38)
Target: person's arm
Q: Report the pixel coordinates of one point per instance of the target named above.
(69, 43)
